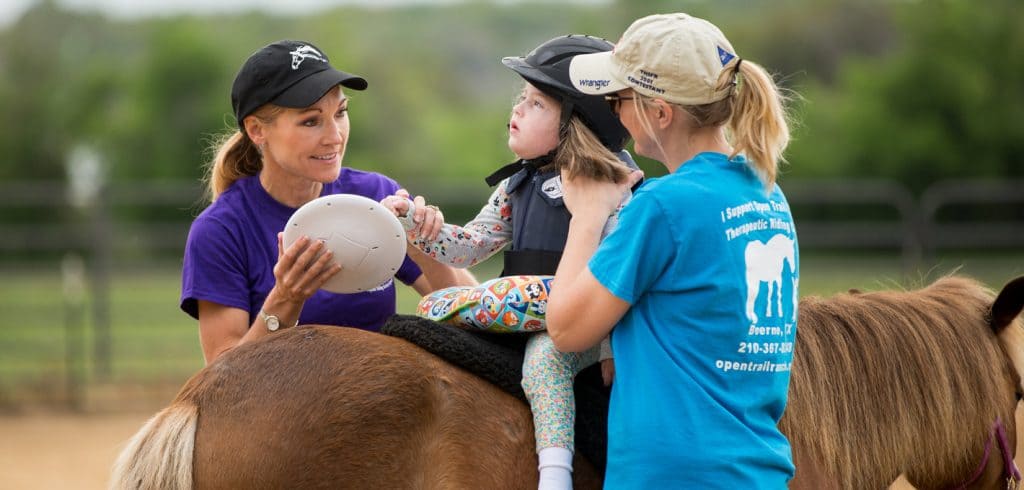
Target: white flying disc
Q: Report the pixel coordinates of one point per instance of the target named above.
(367, 240)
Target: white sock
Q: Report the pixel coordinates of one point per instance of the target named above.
(555, 465)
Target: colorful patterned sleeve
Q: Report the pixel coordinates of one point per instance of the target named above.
(466, 246)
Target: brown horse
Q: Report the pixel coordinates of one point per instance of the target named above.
(883, 383)
(906, 382)
(914, 383)
(329, 407)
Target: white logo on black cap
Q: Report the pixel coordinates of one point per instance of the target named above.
(304, 52)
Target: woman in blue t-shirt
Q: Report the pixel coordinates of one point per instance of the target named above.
(237, 279)
(699, 279)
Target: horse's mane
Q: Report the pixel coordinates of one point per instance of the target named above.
(902, 372)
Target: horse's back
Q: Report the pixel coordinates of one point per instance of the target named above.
(339, 407)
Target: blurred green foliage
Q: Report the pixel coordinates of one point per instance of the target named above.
(945, 101)
(915, 91)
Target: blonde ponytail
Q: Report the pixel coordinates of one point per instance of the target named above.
(753, 114)
(758, 126)
(236, 157)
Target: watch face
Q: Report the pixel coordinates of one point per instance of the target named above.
(272, 323)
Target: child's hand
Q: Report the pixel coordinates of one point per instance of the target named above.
(398, 205)
(608, 371)
(427, 219)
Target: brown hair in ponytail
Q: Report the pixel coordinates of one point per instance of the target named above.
(236, 156)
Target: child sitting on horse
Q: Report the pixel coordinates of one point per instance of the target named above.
(553, 128)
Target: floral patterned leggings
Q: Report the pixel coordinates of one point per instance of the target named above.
(548, 382)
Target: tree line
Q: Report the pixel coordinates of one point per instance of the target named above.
(912, 91)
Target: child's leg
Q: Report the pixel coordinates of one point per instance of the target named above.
(548, 382)
(502, 304)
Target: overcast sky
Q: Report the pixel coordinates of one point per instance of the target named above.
(11, 10)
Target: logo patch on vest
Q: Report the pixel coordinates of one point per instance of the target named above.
(552, 187)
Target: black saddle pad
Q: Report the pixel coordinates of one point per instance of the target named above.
(498, 358)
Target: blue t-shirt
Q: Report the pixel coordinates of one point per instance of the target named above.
(708, 261)
(232, 249)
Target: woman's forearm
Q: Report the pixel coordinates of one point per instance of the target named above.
(571, 291)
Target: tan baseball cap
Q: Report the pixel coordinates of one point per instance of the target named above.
(674, 57)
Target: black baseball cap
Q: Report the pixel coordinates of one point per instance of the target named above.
(292, 74)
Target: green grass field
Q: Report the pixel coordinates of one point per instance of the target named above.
(44, 343)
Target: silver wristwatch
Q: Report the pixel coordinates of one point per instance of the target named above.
(272, 322)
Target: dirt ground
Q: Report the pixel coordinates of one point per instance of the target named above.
(61, 450)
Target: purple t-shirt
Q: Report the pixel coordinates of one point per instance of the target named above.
(232, 248)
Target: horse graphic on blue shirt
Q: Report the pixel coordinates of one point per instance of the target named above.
(765, 263)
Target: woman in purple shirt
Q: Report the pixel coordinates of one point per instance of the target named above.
(238, 280)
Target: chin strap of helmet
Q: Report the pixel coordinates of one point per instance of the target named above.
(563, 123)
(516, 166)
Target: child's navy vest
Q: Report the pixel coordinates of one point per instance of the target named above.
(540, 221)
